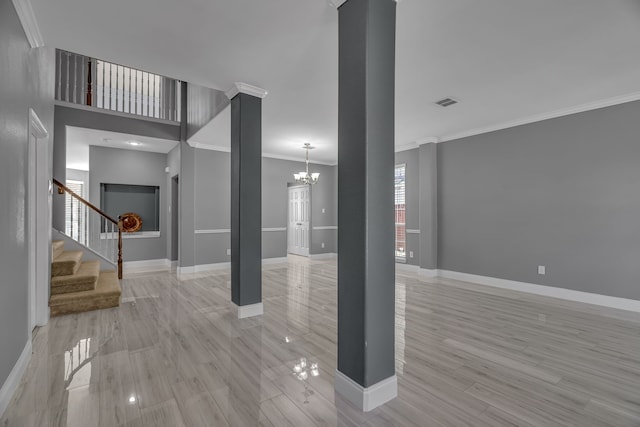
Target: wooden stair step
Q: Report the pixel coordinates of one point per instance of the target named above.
(57, 247)
(66, 264)
(84, 279)
(105, 295)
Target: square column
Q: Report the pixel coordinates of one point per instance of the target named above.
(246, 199)
(366, 229)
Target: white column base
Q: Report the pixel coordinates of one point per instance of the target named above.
(367, 398)
(251, 310)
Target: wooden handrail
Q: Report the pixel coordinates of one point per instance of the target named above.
(64, 189)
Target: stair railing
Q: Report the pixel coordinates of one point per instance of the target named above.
(91, 227)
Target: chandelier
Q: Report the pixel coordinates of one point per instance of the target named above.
(305, 177)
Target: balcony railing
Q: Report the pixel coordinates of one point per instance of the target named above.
(93, 82)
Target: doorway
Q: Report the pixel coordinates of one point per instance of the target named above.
(175, 206)
(299, 218)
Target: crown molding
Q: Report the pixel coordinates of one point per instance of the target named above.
(239, 87)
(338, 3)
(609, 102)
(296, 159)
(428, 140)
(416, 144)
(29, 22)
(209, 147)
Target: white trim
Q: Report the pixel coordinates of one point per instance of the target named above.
(145, 265)
(223, 149)
(366, 398)
(15, 376)
(251, 310)
(296, 159)
(186, 270)
(338, 3)
(268, 261)
(428, 273)
(327, 227)
(411, 231)
(40, 220)
(406, 147)
(209, 147)
(36, 124)
(239, 87)
(428, 140)
(29, 22)
(547, 291)
(274, 229)
(213, 231)
(115, 113)
(635, 96)
(407, 267)
(135, 235)
(328, 255)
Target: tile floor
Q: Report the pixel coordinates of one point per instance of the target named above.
(174, 354)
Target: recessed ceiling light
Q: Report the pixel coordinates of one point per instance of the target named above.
(134, 143)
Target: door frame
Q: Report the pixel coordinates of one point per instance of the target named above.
(289, 188)
(38, 202)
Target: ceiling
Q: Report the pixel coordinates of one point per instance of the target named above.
(79, 140)
(504, 60)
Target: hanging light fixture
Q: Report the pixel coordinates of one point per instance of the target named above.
(305, 177)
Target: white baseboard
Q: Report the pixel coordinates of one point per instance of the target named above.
(407, 267)
(548, 291)
(428, 273)
(145, 265)
(267, 261)
(15, 376)
(251, 310)
(367, 398)
(329, 255)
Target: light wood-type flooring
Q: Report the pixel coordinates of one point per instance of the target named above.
(175, 354)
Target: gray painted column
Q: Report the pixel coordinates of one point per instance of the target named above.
(428, 158)
(187, 256)
(246, 199)
(366, 260)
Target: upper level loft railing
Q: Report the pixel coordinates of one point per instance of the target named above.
(93, 82)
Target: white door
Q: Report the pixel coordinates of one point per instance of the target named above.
(299, 218)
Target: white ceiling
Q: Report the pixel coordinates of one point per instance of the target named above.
(79, 140)
(505, 60)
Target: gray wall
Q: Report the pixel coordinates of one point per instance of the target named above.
(203, 104)
(563, 193)
(68, 116)
(116, 166)
(212, 209)
(26, 81)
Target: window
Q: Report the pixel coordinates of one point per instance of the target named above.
(144, 200)
(75, 223)
(400, 209)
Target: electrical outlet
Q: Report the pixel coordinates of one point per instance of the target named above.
(322, 245)
(542, 270)
(410, 254)
(229, 252)
(323, 211)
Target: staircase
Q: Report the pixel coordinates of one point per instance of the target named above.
(78, 286)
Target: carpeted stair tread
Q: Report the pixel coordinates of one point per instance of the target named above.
(57, 247)
(66, 264)
(85, 279)
(105, 295)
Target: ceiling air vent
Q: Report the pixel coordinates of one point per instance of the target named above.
(446, 102)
